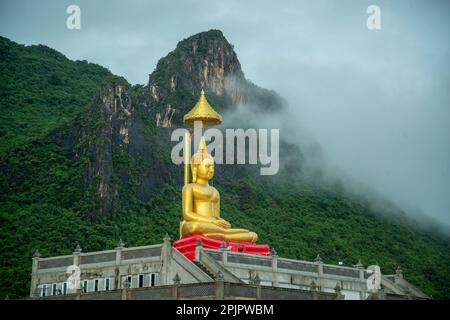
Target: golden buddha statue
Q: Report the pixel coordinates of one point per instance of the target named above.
(201, 202)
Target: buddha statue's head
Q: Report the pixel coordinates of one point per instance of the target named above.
(202, 163)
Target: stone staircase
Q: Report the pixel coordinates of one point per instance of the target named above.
(204, 269)
(212, 268)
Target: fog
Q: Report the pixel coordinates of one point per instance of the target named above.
(377, 101)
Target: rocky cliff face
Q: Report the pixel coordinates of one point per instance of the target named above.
(205, 58)
(106, 130)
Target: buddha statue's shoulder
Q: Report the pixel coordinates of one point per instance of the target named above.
(216, 194)
(194, 187)
(188, 187)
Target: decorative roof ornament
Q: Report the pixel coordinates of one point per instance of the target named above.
(167, 238)
(359, 265)
(176, 279)
(256, 280)
(126, 283)
(318, 259)
(337, 288)
(121, 244)
(78, 248)
(219, 276)
(399, 272)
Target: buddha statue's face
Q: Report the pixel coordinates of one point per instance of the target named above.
(205, 170)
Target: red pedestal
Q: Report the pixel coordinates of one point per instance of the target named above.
(187, 246)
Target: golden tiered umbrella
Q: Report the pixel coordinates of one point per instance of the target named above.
(203, 113)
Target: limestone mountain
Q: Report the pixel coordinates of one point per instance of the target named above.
(206, 58)
(85, 158)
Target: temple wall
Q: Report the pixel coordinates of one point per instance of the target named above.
(153, 272)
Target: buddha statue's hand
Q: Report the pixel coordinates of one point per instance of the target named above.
(222, 223)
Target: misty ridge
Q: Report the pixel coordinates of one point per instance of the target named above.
(298, 146)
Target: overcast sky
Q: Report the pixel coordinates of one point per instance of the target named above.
(377, 100)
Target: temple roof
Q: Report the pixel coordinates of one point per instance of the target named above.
(203, 112)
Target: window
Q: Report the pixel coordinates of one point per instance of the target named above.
(85, 286)
(141, 280)
(44, 290)
(107, 284)
(95, 285)
(64, 288)
(152, 280)
(54, 289)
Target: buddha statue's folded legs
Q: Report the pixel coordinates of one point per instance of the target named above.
(188, 228)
